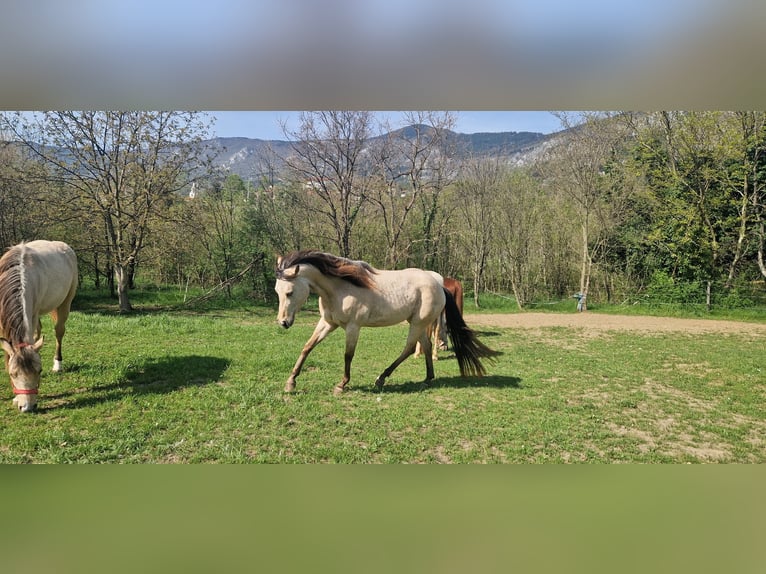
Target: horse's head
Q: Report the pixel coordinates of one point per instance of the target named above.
(24, 366)
(293, 291)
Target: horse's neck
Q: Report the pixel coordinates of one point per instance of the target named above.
(320, 284)
(19, 324)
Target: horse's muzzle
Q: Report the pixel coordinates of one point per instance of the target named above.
(286, 323)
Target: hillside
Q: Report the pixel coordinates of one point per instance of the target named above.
(251, 158)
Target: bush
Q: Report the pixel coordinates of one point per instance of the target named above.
(663, 288)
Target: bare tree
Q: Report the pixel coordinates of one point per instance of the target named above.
(577, 167)
(121, 167)
(329, 161)
(416, 163)
(476, 197)
(520, 232)
(22, 215)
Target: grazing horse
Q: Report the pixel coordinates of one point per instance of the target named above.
(35, 278)
(353, 294)
(437, 331)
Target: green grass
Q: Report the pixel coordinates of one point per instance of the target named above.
(206, 386)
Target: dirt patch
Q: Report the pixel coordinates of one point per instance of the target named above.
(600, 322)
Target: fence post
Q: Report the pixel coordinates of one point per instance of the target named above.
(707, 296)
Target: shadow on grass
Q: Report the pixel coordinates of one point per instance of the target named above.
(492, 381)
(482, 334)
(154, 376)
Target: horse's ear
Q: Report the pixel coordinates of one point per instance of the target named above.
(38, 344)
(291, 272)
(7, 347)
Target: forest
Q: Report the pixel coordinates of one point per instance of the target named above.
(661, 207)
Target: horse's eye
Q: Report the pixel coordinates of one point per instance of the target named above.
(289, 294)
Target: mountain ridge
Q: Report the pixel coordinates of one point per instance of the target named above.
(251, 157)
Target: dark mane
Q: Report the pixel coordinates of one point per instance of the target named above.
(357, 273)
(11, 285)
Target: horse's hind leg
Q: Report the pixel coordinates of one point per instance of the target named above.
(59, 317)
(416, 334)
(434, 327)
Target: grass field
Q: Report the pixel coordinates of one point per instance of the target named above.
(178, 386)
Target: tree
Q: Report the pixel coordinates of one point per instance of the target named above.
(329, 162)
(750, 146)
(520, 234)
(706, 171)
(221, 210)
(22, 198)
(476, 198)
(578, 167)
(415, 163)
(122, 167)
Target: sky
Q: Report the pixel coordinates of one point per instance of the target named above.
(383, 55)
(266, 124)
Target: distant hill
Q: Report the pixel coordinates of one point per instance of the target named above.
(251, 158)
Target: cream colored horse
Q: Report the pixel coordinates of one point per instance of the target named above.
(35, 278)
(352, 295)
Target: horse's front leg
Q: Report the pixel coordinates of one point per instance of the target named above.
(352, 336)
(321, 331)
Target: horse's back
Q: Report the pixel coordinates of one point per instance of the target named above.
(410, 294)
(52, 273)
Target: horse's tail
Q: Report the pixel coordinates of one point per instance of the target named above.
(468, 349)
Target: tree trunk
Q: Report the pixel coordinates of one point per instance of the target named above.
(122, 278)
(761, 264)
(98, 271)
(516, 291)
(743, 217)
(476, 285)
(585, 269)
(109, 274)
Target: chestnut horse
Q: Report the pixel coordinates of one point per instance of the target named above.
(437, 331)
(35, 278)
(353, 294)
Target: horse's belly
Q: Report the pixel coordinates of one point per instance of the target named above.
(386, 321)
(390, 313)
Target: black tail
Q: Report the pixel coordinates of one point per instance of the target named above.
(468, 349)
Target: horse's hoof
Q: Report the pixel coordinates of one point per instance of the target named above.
(338, 390)
(379, 384)
(424, 386)
(289, 387)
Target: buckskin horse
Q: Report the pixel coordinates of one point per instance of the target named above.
(353, 294)
(35, 278)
